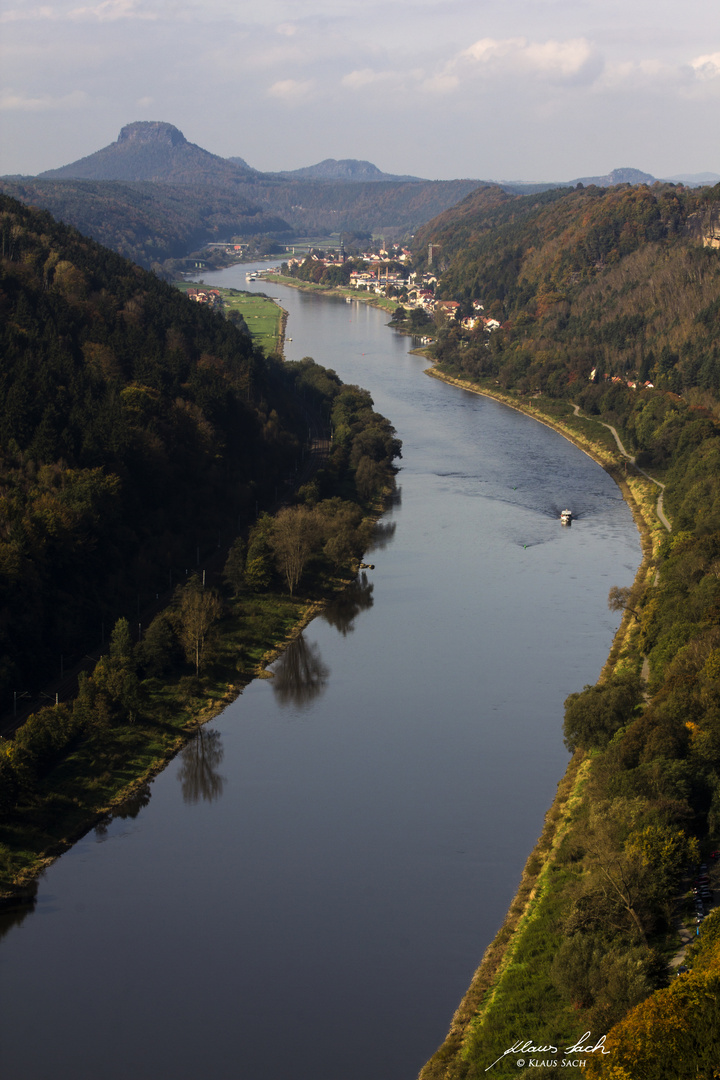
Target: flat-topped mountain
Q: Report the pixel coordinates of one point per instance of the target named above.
(152, 195)
(156, 151)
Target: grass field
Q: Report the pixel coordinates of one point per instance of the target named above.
(263, 316)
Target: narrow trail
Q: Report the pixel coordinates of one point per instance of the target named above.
(659, 508)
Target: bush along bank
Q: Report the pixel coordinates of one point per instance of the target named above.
(599, 929)
(71, 764)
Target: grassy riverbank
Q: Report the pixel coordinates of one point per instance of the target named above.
(264, 318)
(513, 995)
(112, 768)
(373, 299)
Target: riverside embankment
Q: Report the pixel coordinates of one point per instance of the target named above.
(516, 953)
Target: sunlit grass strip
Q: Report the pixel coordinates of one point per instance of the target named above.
(264, 318)
(503, 1000)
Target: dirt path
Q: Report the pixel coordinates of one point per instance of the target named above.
(659, 508)
(686, 927)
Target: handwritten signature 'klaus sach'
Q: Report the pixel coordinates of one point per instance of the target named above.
(582, 1046)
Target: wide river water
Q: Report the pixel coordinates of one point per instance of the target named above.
(308, 890)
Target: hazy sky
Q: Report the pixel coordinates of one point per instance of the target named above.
(518, 89)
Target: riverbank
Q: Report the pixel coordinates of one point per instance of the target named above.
(72, 764)
(77, 796)
(513, 976)
(372, 299)
(264, 317)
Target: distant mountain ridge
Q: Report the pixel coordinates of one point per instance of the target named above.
(158, 151)
(151, 193)
(345, 169)
(617, 176)
(153, 196)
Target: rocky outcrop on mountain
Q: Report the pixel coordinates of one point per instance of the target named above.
(705, 226)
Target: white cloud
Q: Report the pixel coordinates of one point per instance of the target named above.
(106, 11)
(292, 91)
(110, 10)
(707, 67)
(696, 80)
(445, 83)
(573, 60)
(26, 14)
(12, 102)
(357, 80)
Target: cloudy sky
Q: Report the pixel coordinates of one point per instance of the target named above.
(508, 89)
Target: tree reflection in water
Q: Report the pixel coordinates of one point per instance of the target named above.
(300, 675)
(130, 808)
(382, 534)
(199, 763)
(342, 611)
(13, 914)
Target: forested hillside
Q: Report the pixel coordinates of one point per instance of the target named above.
(149, 222)
(609, 299)
(615, 280)
(135, 427)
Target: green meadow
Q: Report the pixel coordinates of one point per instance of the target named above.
(263, 316)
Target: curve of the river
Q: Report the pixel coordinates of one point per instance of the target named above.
(311, 885)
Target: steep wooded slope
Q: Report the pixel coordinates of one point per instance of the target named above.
(623, 280)
(134, 427)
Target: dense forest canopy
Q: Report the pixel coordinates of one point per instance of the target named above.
(135, 427)
(149, 222)
(614, 280)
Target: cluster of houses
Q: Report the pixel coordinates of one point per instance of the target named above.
(412, 289)
(634, 384)
(211, 297)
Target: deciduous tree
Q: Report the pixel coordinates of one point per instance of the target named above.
(296, 536)
(198, 609)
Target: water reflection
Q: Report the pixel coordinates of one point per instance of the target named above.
(382, 535)
(347, 605)
(300, 674)
(199, 763)
(130, 808)
(13, 914)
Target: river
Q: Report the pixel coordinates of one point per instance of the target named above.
(305, 892)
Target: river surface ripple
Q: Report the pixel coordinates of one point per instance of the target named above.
(311, 885)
